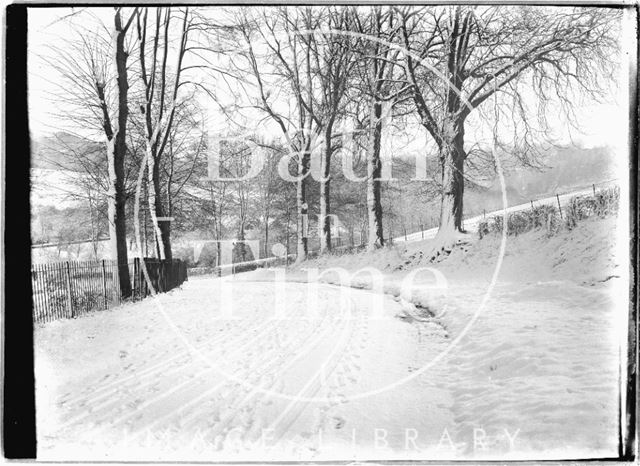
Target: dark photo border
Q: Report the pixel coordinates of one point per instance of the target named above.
(18, 394)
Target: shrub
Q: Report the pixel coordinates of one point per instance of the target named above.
(86, 301)
(193, 271)
(244, 267)
(519, 222)
(543, 216)
(484, 228)
(56, 293)
(604, 203)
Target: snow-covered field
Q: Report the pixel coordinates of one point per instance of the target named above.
(360, 375)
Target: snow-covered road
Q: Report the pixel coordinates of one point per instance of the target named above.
(180, 374)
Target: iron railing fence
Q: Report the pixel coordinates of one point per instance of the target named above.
(72, 288)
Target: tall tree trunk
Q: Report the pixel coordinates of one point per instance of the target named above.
(116, 150)
(153, 202)
(266, 236)
(452, 156)
(325, 195)
(242, 249)
(374, 172)
(218, 253)
(144, 231)
(218, 232)
(452, 159)
(303, 208)
(162, 228)
(165, 232)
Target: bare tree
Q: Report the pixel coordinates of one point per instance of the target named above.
(83, 169)
(332, 60)
(381, 83)
(210, 206)
(94, 91)
(289, 61)
(240, 161)
(185, 149)
(116, 131)
(268, 187)
(461, 57)
(160, 102)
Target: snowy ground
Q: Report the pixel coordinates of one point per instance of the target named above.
(535, 374)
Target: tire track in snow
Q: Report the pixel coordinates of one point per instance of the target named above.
(147, 379)
(262, 329)
(296, 407)
(271, 326)
(160, 363)
(291, 348)
(225, 423)
(103, 389)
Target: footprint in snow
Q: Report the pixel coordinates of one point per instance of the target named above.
(339, 422)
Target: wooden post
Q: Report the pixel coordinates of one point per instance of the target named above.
(531, 205)
(142, 280)
(137, 288)
(405, 233)
(104, 286)
(422, 230)
(162, 275)
(594, 190)
(69, 293)
(484, 213)
(144, 285)
(559, 207)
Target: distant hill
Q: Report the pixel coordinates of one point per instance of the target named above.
(64, 151)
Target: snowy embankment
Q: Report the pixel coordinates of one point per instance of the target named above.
(541, 356)
(471, 224)
(182, 376)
